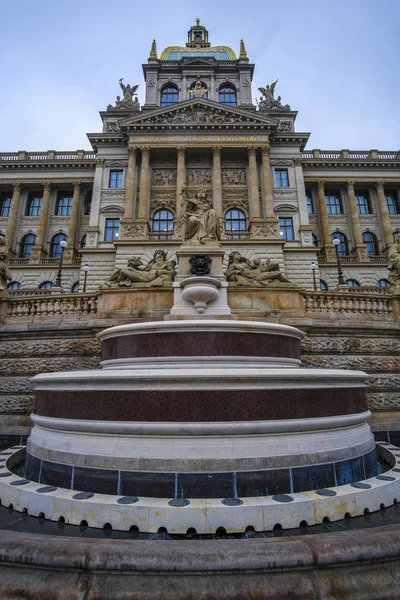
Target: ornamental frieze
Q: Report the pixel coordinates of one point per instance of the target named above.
(368, 219)
(337, 218)
(229, 203)
(164, 177)
(197, 114)
(198, 176)
(158, 204)
(233, 176)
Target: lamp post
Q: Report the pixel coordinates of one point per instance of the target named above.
(313, 268)
(86, 269)
(336, 243)
(63, 245)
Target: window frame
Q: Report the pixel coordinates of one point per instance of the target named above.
(363, 202)
(118, 183)
(111, 228)
(333, 203)
(240, 219)
(34, 206)
(170, 91)
(228, 91)
(24, 245)
(372, 244)
(66, 207)
(168, 220)
(45, 285)
(393, 207)
(354, 283)
(343, 247)
(309, 202)
(285, 227)
(5, 205)
(55, 244)
(278, 181)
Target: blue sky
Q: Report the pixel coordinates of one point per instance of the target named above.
(337, 63)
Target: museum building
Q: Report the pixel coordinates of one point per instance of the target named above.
(199, 128)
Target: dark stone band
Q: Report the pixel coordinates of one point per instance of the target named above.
(200, 405)
(202, 343)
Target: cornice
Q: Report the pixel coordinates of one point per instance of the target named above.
(350, 164)
(48, 165)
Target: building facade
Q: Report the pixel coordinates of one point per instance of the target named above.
(200, 127)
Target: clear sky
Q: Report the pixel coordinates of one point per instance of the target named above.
(337, 63)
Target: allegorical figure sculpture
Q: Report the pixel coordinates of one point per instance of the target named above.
(5, 273)
(394, 265)
(268, 101)
(198, 90)
(200, 222)
(128, 101)
(158, 272)
(243, 271)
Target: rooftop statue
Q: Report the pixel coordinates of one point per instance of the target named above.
(200, 222)
(128, 101)
(5, 273)
(394, 266)
(243, 271)
(158, 272)
(268, 101)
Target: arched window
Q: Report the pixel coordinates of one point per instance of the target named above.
(314, 240)
(227, 95)
(75, 287)
(352, 283)
(163, 222)
(15, 285)
(83, 241)
(169, 95)
(55, 248)
(46, 285)
(323, 285)
(372, 243)
(382, 283)
(343, 247)
(235, 223)
(27, 242)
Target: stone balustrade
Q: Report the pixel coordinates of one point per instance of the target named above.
(354, 303)
(52, 305)
(350, 154)
(47, 156)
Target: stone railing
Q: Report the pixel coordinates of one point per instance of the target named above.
(344, 302)
(49, 155)
(47, 305)
(350, 154)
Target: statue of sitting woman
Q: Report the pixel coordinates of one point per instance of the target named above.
(200, 222)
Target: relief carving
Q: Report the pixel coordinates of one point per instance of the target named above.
(158, 204)
(233, 176)
(228, 203)
(197, 114)
(263, 231)
(113, 127)
(164, 177)
(134, 230)
(198, 176)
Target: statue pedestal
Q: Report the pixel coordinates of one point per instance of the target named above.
(191, 282)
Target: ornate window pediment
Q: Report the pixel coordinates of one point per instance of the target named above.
(112, 209)
(286, 208)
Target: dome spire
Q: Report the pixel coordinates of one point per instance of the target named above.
(243, 51)
(153, 51)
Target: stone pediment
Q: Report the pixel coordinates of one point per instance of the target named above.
(200, 62)
(205, 114)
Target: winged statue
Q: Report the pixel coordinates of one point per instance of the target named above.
(268, 93)
(128, 91)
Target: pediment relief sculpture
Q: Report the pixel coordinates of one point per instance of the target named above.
(255, 273)
(158, 272)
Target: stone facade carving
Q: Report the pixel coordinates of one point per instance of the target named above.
(158, 272)
(128, 102)
(245, 81)
(159, 203)
(200, 264)
(151, 80)
(234, 202)
(196, 114)
(198, 90)
(394, 266)
(263, 231)
(243, 271)
(199, 222)
(198, 176)
(233, 176)
(164, 177)
(113, 127)
(134, 230)
(284, 126)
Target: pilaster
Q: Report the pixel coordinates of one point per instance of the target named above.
(360, 249)
(38, 250)
(130, 184)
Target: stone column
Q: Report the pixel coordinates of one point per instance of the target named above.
(360, 249)
(70, 250)
(12, 217)
(268, 196)
(217, 180)
(130, 184)
(93, 230)
(38, 250)
(253, 184)
(384, 214)
(325, 229)
(143, 211)
(180, 178)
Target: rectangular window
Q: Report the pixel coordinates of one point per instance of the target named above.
(286, 230)
(88, 203)
(362, 202)
(64, 206)
(5, 205)
(333, 204)
(34, 207)
(111, 232)
(391, 203)
(116, 178)
(310, 207)
(281, 178)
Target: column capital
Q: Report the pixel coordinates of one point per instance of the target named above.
(265, 149)
(380, 184)
(46, 186)
(77, 186)
(251, 149)
(145, 150)
(17, 186)
(216, 149)
(350, 184)
(181, 150)
(321, 184)
(100, 162)
(132, 150)
(297, 161)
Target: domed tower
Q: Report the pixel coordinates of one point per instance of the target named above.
(171, 77)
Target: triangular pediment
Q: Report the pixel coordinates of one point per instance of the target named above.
(204, 114)
(197, 61)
